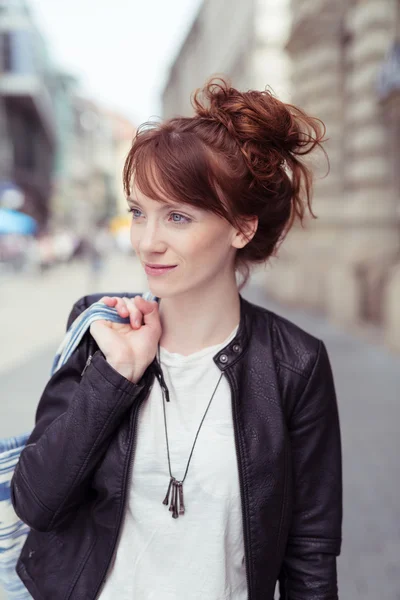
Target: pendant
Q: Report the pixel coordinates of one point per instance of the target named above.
(177, 506)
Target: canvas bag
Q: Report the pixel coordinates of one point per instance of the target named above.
(13, 531)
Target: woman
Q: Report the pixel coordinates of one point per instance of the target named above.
(204, 407)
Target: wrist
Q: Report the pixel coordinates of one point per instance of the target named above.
(125, 369)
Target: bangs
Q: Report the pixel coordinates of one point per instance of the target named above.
(172, 166)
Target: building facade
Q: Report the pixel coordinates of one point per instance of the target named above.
(26, 112)
(87, 191)
(62, 152)
(344, 71)
(123, 134)
(242, 40)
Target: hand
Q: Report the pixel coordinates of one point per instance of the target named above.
(129, 347)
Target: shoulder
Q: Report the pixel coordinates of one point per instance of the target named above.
(85, 301)
(303, 368)
(293, 347)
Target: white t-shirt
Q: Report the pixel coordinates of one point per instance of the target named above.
(199, 555)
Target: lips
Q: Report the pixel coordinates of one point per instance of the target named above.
(158, 269)
(155, 266)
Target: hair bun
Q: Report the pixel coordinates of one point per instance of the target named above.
(268, 131)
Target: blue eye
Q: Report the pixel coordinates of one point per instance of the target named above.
(132, 210)
(184, 222)
(182, 219)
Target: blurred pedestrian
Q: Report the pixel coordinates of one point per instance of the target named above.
(99, 245)
(201, 406)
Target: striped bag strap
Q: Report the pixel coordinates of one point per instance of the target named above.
(76, 331)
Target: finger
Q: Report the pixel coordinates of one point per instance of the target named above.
(121, 308)
(149, 309)
(135, 315)
(94, 330)
(109, 301)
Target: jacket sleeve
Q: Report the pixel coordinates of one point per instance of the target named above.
(309, 567)
(75, 420)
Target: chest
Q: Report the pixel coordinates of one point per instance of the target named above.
(212, 471)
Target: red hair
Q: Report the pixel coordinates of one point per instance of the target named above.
(239, 156)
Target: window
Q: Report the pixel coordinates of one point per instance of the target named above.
(24, 137)
(5, 53)
(17, 52)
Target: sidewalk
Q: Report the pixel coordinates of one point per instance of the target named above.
(34, 308)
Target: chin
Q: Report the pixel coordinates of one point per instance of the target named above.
(165, 290)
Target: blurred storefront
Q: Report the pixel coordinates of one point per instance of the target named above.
(26, 115)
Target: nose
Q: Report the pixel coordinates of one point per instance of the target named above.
(151, 239)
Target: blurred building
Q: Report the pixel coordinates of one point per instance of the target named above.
(63, 91)
(123, 134)
(87, 186)
(27, 124)
(346, 71)
(92, 146)
(243, 40)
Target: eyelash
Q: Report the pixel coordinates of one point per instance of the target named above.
(185, 222)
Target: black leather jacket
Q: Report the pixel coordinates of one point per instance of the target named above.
(71, 482)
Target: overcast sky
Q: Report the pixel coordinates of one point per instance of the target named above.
(120, 49)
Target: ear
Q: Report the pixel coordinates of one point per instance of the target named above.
(249, 227)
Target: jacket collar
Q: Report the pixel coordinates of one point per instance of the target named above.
(232, 352)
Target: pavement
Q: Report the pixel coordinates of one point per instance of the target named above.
(33, 313)
(34, 308)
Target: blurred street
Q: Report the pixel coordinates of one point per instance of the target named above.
(367, 380)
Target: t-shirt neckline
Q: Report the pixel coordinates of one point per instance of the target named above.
(176, 359)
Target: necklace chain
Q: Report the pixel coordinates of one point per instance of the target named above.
(177, 506)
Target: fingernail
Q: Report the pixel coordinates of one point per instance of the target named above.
(137, 323)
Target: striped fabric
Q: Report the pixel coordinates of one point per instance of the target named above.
(13, 531)
(75, 333)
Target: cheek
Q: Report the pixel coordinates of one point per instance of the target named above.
(210, 245)
(133, 238)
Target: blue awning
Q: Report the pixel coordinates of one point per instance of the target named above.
(12, 221)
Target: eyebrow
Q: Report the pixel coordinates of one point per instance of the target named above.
(164, 205)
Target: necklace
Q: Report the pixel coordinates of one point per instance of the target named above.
(174, 494)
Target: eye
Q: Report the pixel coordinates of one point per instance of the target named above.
(177, 218)
(180, 222)
(132, 210)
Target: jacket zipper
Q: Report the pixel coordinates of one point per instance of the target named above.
(89, 360)
(242, 486)
(131, 451)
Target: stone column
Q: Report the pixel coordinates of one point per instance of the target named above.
(391, 107)
(369, 238)
(300, 274)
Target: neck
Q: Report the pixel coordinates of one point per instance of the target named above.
(199, 318)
